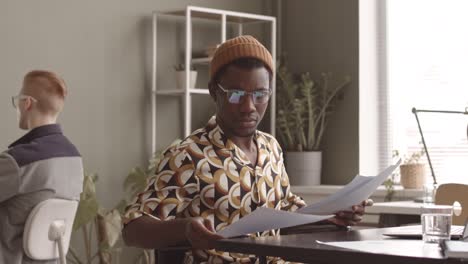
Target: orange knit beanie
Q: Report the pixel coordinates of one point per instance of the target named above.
(239, 47)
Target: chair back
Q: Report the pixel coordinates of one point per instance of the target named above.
(38, 237)
(449, 193)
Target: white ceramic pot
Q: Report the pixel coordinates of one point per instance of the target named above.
(180, 79)
(304, 168)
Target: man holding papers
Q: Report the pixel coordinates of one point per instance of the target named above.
(222, 172)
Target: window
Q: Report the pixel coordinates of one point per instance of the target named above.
(427, 68)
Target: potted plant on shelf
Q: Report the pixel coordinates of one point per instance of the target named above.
(180, 76)
(412, 171)
(303, 107)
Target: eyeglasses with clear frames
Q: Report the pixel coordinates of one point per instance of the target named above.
(15, 99)
(238, 96)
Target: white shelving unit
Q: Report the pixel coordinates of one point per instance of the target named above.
(221, 16)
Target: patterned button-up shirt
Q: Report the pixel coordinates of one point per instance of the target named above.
(207, 175)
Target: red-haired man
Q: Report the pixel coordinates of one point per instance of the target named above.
(40, 165)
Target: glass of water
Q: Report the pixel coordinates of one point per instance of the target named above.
(436, 222)
(429, 193)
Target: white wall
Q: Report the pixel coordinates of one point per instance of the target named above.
(323, 36)
(103, 50)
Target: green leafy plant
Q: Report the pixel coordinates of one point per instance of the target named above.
(390, 182)
(410, 157)
(304, 107)
(415, 157)
(389, 187)
(97, 225)
(102, 227)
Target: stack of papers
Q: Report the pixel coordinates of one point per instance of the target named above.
(265, 219)
(359, 189)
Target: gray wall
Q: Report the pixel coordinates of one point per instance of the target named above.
(103, 50)
(321, 36)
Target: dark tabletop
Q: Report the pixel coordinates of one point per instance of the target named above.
(306, 248)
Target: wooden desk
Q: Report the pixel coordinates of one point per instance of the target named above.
(398, 207)
(304, 248)
(313, 194)
(396, 213)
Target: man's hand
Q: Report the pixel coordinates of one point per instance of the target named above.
(350, 218)
(200, 233)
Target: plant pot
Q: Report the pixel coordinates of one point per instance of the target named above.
(180, 79)
(304, 168)
(412, 176)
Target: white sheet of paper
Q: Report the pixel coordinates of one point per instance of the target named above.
(390, 247)
(265, 219)
(359, 189)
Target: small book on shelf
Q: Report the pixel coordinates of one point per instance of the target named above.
(455, 249)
